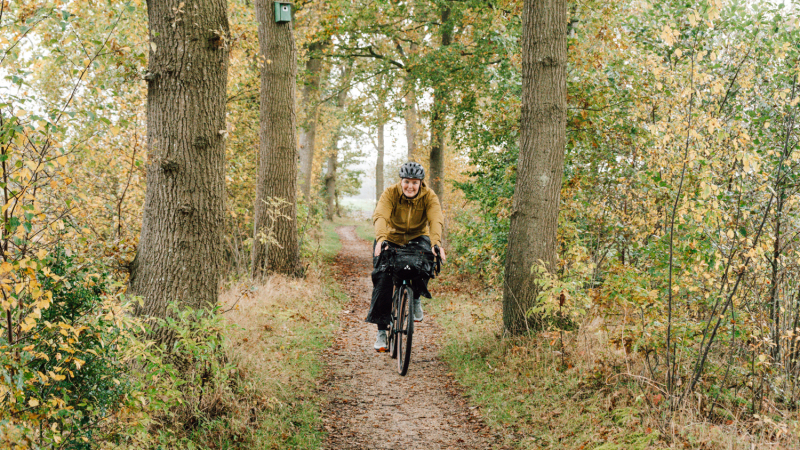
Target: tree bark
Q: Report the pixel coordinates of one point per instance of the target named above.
(439, 118)
(330, 182)
(437, 145)
(780, 187)
(410, 115)
(338, 209)
(774, 301)
(379, 163)
(308, 130)
(275, 247)
(534, 216)
(330, 178)
(180, 248)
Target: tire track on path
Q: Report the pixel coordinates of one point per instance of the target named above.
(369, 405)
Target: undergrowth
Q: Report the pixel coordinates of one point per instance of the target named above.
(542, 393)
(242, 375)
(246, 376)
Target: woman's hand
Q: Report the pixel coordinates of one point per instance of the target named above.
(441, 252)
(378, 248)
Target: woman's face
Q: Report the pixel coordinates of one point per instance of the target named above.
(410, 186)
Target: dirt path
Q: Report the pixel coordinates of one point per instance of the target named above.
(372, 407)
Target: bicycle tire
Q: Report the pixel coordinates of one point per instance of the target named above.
(405, 332)
(393, 327)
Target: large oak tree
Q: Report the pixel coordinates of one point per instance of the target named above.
(534, 215)
(275, 247)
(180, 247)
(439, 115)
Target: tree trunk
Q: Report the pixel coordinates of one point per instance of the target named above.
(534, 216)
(439, 118)
(180, 248)
(410, 115)
(330, 177)
(330, 182)
(437, 145)
(275, 247)
(308, 130)
(338, 209)
(379, 162)
(777, 247)
(774, 302)
(439, 127)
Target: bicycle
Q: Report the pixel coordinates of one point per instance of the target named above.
(405, 267)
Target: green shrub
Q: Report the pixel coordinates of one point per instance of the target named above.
(480, 237)
(186, 387)
(63, 380)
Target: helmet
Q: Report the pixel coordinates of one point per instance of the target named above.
(412, 170)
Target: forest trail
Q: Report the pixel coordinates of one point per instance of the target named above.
(369, 405)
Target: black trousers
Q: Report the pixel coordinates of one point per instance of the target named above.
(380, 310)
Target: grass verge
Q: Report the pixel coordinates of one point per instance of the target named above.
(279, 331)
(327, 243)
(521, 388)
(365, 230)
(542, 395)
(246, 376)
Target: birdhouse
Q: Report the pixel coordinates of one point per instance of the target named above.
(283, 12)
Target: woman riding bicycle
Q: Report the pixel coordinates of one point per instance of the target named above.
(408, 214)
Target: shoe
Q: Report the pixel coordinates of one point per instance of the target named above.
(417, 310)
(380, 343)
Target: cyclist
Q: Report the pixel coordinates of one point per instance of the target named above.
(408, 214)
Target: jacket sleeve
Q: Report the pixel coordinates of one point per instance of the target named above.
(381, 216)
(435, 219)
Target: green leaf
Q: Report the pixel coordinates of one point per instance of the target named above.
(12, 224)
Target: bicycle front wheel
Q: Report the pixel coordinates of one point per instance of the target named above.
(405, 330)
(395, 325)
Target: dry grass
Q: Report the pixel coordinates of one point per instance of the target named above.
(262, 312)
(278, 331)
(585, 394)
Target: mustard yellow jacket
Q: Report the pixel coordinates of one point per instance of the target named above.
(399, 219)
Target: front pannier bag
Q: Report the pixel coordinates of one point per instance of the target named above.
(411, 263)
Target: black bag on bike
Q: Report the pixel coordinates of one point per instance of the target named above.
(408, 264)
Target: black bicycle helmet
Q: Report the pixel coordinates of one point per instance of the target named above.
(412, 170)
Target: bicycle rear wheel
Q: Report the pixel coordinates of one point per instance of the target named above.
(405, 330)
